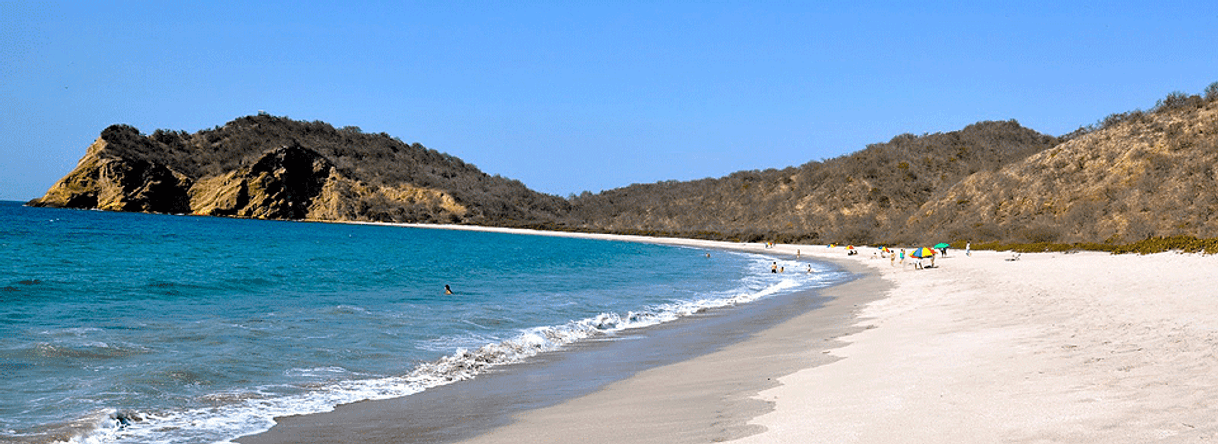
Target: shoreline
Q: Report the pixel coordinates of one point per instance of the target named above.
(708, 398)
(1053, 347)
(719, 368)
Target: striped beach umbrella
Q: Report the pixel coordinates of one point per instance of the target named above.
(922, 253)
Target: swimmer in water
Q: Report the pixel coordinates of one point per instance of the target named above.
(447, 290)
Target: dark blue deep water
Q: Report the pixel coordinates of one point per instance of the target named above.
(121, 327)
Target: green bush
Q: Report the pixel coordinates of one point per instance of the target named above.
(1183, 244)
(1211, 92)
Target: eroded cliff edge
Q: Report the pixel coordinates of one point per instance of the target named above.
(274, 168)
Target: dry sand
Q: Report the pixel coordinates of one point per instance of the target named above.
(1084, 347)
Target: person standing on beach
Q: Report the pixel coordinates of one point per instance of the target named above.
(968, 249)
(902, 258)
(892, 260)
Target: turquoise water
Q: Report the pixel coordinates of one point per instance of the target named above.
(121, 327)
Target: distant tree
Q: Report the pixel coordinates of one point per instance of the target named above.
(1177, 100)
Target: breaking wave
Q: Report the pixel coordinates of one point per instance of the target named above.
(231, 415)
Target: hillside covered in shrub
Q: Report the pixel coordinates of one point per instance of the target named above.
(858, 198)
(277, 168)
(1131, 177)
(1140, 175)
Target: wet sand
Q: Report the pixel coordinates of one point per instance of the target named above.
(709, 398)
(695, 380)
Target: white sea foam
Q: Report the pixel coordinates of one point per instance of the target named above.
(254, 412)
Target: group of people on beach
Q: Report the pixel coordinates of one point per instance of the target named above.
(893, 257)
(775, 268)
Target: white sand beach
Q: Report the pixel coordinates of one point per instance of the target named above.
(1082, 348)
(1085, 347)
(1055, 347)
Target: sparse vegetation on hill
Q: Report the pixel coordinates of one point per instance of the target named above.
(1129, 179)
(371, 177)
(1142, 175)
(1158, 244)
(858, 198)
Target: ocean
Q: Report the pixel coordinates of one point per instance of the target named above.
(140, 328)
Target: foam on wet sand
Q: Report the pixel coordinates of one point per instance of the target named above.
(1084, 347)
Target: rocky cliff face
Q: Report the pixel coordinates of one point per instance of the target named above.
(126, 171)
(282, 184)
(107, 180)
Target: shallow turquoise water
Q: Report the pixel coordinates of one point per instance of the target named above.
(120, 327)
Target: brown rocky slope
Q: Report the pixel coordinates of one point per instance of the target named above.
(1146, 174)
(863, 197)
(274, 168)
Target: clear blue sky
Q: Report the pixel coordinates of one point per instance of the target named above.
(568, 96)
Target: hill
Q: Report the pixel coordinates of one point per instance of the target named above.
(1142, 174)
(276, 168)
(862, 197)
(1133, 176)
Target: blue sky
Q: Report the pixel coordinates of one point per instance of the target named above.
(574, 96)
